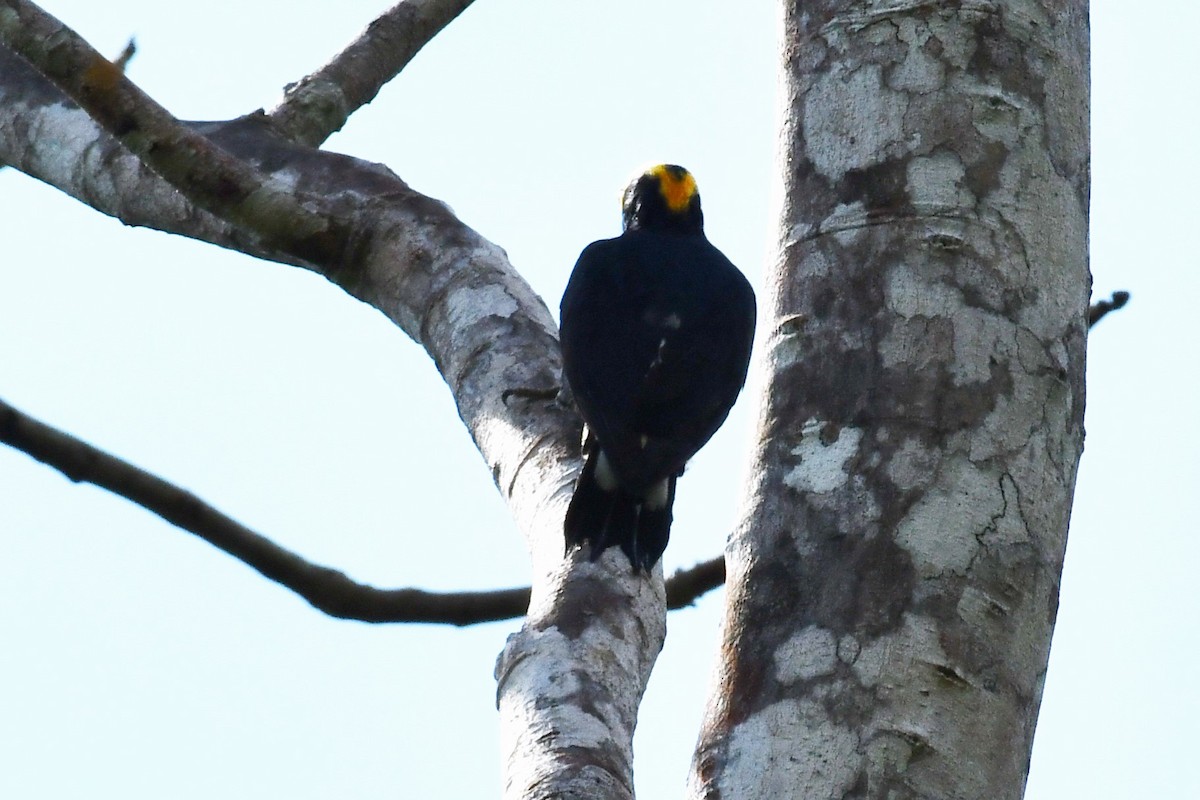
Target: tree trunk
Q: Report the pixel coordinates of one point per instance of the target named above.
(894, 582)
(571, 680)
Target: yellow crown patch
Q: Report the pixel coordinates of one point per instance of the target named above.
(675, 184)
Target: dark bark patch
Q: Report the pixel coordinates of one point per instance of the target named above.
(941, 124)
(324, 247)
(845, 702)
(865, 585)
(978, 642)
(861, 785)
(882, 188)
(938, 406)
(836, 387)
(823, 302)
(779, 595)
(894, 502)
(845, 582)
(813, 204)
(578, 762)
(966, 406)
(1001, 57)
(581, 601)
(933, 46)
(983, 171)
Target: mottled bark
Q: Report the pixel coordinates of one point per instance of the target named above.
(570, 682)
(893, 586)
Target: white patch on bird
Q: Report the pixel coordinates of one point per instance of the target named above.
(672, 322)
(644, 440)
(605, 477)
(659, 494)
(658, 357)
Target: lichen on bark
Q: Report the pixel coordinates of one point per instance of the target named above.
(894, 579)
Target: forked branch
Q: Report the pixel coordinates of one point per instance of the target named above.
(214, 180)
(318, 105)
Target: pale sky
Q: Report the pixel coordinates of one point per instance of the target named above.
(138, 662)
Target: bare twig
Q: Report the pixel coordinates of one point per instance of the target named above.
(318, 105)
(214, 180)
(1101, 308)
(122, 60)
(326, 589)
(687, 585)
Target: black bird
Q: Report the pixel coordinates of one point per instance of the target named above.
(657, 326)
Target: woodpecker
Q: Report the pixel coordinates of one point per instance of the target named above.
(656, 330)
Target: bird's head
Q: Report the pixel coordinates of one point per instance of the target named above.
(663, 198)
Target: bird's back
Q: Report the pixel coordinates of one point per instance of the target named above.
(656, 334)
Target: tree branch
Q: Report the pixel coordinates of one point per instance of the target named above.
(452, 291)
(582, 659)
(326, 589)
(455, 293)
(319, 104)
(121, 62)
(46, 136)
(302, 226)
(686, 586)
(1102, 308)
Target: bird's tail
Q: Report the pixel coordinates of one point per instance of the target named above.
(604, 515)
